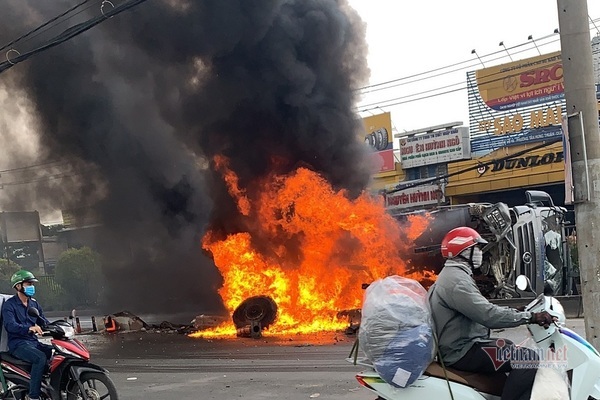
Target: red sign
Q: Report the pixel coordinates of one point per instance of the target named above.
(383, 161)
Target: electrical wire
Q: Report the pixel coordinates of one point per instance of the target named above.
(45, 178)
(46, 24)
(71, 33)
(471, 60)
(384, 103)
(449, 66)
(31, 166)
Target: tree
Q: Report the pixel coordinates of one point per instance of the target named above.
(78, 272)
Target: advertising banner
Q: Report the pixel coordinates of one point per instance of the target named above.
(378, 136)
(415, 196)
(498, 171)
(435, 148)
(18, 227)
(522, 83)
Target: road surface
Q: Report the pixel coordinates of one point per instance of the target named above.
(153, 366)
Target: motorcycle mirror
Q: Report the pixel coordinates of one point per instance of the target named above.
(33, 312)
(523, 283)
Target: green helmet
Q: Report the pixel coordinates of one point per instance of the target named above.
(22, 276)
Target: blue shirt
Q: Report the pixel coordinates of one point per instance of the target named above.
(17, 322)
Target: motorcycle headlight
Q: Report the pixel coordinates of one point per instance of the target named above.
(69, 331)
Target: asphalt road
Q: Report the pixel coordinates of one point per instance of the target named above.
(153, 366)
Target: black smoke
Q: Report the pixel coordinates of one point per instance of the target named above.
(147, 98)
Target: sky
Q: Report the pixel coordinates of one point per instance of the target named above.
(408, 38)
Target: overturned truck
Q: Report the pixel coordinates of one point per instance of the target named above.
(529, 239)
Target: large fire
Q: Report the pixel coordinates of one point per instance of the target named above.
(309, 247)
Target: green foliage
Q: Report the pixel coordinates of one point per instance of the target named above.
(7, 269)
(78, 272)
(50, 295)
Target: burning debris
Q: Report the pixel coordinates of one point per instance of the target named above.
(307, 247)
(253, 315)
(123, 321)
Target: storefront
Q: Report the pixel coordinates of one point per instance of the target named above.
(500, 176)
(515, 116)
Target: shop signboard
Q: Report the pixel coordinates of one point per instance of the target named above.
(378, 137)
(435, 148)
(516, 103)
(416, 196)
(518, 84)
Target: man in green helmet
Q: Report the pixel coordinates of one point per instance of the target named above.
(23, 328)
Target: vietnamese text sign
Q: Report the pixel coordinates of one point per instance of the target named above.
(415, 196)
(522, 83)
(435, 148)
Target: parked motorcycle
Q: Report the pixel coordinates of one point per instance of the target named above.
(581, 361)
(70, 375)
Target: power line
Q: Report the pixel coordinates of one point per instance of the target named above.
(451, 71)
(31, 166)
(384, 103)
(44, 25)
(45, 178)
(421, 74)
(445, 67)
(71, 33)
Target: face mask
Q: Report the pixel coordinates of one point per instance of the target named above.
(477, 257)
(29, 291)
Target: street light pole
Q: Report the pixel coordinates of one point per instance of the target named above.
(584, 137)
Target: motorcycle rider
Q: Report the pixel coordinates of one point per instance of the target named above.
(22, 329)
(463, 317)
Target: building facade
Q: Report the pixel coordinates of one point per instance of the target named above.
(514, 141)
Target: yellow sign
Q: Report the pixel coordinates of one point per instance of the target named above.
(515, 122)
(539, 167)
(378, 136)
(522, 83)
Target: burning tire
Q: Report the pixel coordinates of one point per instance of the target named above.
(255, 310)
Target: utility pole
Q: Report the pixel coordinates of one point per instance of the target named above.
(584, 136)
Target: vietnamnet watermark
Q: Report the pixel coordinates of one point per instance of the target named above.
(521, 357)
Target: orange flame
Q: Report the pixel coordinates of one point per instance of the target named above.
(310, 249)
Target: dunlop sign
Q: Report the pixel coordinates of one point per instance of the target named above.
(435, 148)
(527, 162)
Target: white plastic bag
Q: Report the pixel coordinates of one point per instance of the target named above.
(396, 329)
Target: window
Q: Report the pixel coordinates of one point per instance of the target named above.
(426, 171)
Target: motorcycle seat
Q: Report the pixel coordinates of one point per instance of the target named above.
(24, 365)
(491, 383)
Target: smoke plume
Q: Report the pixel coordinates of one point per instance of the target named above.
(139, 106)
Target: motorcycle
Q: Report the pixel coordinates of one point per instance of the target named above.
(70, 375)
(442, 383)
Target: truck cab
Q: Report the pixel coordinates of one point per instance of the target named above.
(528, 240)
